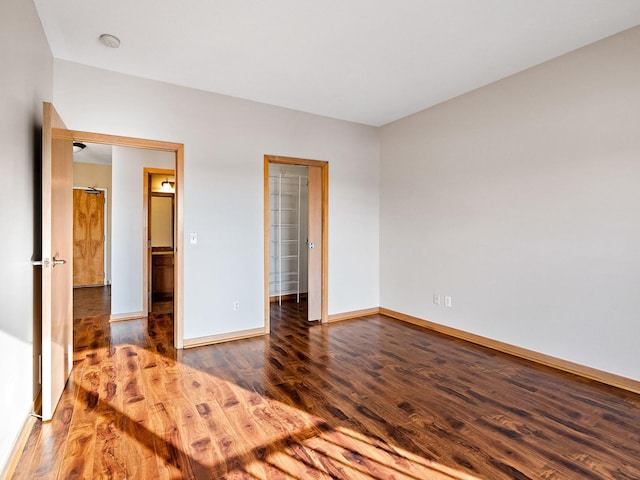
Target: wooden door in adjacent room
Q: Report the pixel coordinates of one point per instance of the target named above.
(88, 237)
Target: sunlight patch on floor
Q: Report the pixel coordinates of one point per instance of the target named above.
(278, 439)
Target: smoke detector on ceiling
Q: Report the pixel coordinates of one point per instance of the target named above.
(109, 40)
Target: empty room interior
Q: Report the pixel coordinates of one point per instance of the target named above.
(295, 239)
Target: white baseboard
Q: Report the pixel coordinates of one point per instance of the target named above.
(9, 468)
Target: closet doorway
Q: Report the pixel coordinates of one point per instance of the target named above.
(296, 240)
(159, 188)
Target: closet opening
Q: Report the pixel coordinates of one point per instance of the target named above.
(296, 240)
(288, 232)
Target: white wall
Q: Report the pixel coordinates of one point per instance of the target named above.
(521, 200)
(225, 142)
(25, 82)
(128, 236)
(162, 226)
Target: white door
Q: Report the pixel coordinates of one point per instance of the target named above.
(314, 259)
(57, 259)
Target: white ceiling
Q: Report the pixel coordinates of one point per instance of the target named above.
(94, 153)
(367, 61)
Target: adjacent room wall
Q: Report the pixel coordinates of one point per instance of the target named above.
(128, 237)
(521, 200)
(225, 142)
(26, 81)
(162, 225)
(97, 176)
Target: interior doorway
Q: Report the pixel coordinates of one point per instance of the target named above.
(288, 232)
(90, 257)
(176, 270)
(295, 235)
(159, 188)
(55, 349)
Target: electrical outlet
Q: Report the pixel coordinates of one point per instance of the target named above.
(436, 299)
(447, 301)
(236, 305)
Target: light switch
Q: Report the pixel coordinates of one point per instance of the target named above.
(193, 238)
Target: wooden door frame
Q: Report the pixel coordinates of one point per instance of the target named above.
(178, 150)
(146, 214)
(106, 231)
(324, 166)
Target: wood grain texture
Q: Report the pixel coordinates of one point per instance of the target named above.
(162, 275)
(564, 365)
(88, 238)
(370, 398)
(178, 270)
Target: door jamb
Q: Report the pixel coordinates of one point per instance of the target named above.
(178, 150)
(324, 165)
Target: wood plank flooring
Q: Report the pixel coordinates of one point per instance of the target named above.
(370, 398)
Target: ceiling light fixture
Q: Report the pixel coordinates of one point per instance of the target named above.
(109, 40)
(167, 185)
(78, 147)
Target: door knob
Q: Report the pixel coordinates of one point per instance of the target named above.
(46, 262)
(58, 262)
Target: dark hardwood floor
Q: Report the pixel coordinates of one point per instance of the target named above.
(368, 398)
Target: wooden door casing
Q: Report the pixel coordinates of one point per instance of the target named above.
(88, 237)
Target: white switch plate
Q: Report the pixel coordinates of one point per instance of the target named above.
(447, 301)
(193, 238)
(436, 299)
